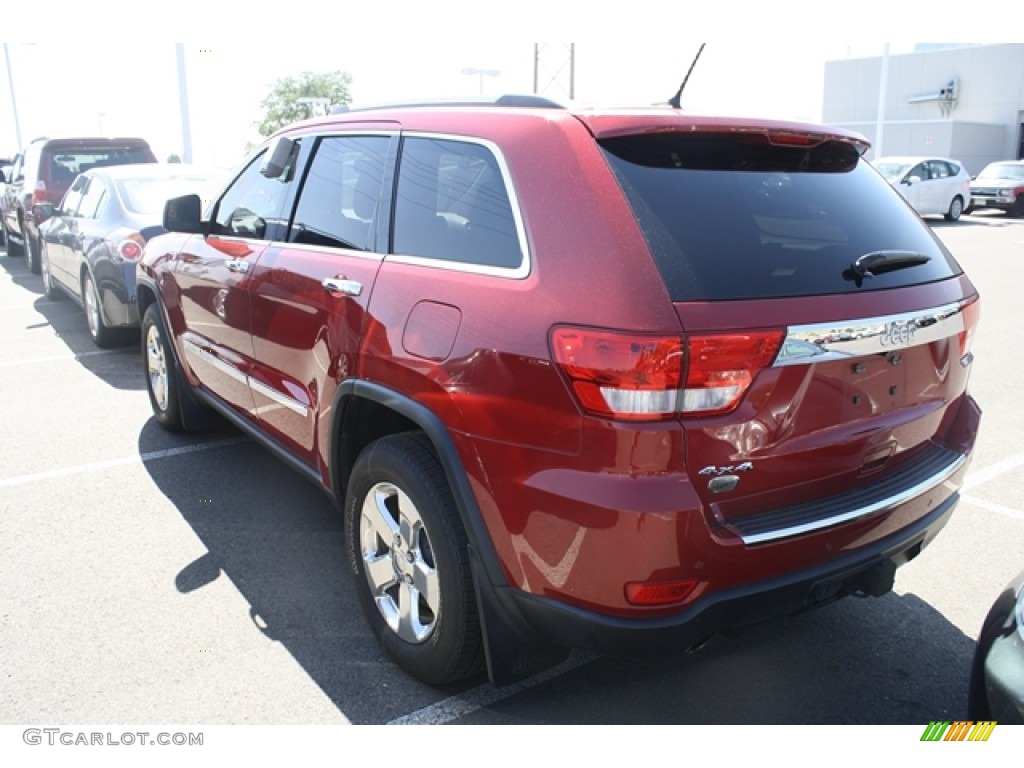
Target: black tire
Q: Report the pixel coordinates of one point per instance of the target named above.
(401, 516)
(1017, 211)
(53, 293)
(956, 207)
(160, 369)
(175, 408)
(32, 257)
(102, 335)
(13, 249)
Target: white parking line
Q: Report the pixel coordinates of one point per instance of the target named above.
(1010, 463)
(126, 460)
(454, 707)
(484, 695)
(990, 506)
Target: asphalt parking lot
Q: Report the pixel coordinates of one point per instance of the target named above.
(153, 578)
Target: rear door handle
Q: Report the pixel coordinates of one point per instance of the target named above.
(342, 285)
(238, 265)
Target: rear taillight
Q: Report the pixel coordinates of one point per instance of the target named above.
(39, 193)
(721, 368)
(621, 376)
(634, 377)
(971, 311)
(129, 250)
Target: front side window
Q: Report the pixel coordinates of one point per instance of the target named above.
(452, 204)
(252, 202)
(340, 199)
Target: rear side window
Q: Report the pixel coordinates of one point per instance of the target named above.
(735, 217)
(92, 201)
(72, 198)
(452, 204)
(340, 199)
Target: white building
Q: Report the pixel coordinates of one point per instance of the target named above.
(964, 102)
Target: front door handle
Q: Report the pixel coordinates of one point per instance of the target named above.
(238, 265)
(342, 285)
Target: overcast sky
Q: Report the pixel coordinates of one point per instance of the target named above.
(105, 70)
(132, 88)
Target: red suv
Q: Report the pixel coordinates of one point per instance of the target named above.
(600, 379)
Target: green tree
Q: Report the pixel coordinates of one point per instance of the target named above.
(282, 105)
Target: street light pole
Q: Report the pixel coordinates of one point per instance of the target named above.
(481, 72)
(14, 101)
(186, 123)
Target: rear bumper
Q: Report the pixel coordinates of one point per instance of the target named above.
(867, 571)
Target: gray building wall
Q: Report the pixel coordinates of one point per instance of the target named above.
(984, 124)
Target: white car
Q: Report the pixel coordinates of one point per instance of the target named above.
(932, 185)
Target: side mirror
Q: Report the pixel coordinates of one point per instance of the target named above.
(182, 214)
(275, 161)
(43, 211)
(911, 180)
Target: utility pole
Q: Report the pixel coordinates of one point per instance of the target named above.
(186, 125)
(554, 69)
(14, 101)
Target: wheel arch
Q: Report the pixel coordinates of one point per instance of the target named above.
(364, 411)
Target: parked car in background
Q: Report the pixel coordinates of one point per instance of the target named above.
(92, 242)
(1000, 186)
(6, 169)
(997, 675)
(932, 185)
(611, 379)
(44, 173)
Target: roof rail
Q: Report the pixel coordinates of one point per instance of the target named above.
(507, 100)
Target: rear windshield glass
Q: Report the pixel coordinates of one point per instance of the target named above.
(148, 195)
(64, 166)
(734, 217)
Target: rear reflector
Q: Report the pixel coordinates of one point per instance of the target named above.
(634, 377)
(659, 592)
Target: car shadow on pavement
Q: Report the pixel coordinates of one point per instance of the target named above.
(119, 366)
(889, 660)
(278, 538)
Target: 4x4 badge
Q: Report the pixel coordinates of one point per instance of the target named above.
(746, 466)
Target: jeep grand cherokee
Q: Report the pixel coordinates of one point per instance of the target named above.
(577, 378)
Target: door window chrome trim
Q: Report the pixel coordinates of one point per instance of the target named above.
(281, 399)
(197, 351)
(824, 342)
(882, 505)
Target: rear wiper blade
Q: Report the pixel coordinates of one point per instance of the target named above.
(877, 262)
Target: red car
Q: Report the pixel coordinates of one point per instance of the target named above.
(43, 174)
(600, 379)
